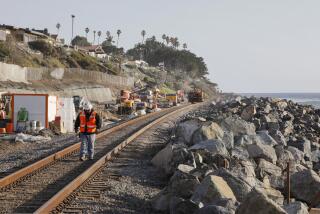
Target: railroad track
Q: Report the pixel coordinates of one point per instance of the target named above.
(42, 186)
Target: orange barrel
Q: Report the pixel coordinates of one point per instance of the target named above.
(2, 130)
(9, 127)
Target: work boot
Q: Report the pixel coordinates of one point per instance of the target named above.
(83, 158)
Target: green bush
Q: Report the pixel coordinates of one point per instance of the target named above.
(4, 51)
(44, 47)
(80, 41)
(85, 61)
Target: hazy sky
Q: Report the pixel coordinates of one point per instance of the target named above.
(248, 45)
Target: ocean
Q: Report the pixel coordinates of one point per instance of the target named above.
(301, 98)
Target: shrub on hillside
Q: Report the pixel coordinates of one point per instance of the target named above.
(111, 49)
(4, 51)
(85, 61)
(80, 41)
(44, 47)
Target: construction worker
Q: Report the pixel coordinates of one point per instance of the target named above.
(2, 112)
(89, 122)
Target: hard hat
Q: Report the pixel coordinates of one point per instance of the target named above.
(87, 105)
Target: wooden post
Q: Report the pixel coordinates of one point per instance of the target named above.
(288, 183)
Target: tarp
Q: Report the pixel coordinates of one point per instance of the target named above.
(66, 111)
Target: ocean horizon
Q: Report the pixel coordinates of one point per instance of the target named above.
(301, 98)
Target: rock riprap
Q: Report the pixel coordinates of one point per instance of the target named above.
(231, 157)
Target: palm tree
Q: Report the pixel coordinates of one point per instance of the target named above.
(184, 46)
(108, 34)
(99, 35)
(118, 33)
(87, 31)
(94, 36)
(167, 40)
(143, 34)
(177, 44)
(164, 37)
(58, 25)
(172, 41)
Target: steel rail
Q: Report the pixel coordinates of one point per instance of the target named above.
(58, 198)
(21, 173)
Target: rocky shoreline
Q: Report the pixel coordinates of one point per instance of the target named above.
(234, 157)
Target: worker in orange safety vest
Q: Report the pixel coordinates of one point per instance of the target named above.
(87, 122)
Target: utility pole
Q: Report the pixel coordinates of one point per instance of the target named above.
(72, 17)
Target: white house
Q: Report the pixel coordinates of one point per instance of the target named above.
(95, 51)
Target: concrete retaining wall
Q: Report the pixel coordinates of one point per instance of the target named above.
(12, 73)
(15, 73)
(97, 94)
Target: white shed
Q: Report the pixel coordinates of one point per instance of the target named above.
(41, 107)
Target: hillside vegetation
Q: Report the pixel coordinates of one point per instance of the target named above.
(155, 52)
(42, 54)
(182, 68)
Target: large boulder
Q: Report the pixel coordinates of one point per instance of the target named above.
(296, 207)
(305, 186)
(228, 139)
(248, 112)
(287, 128)
(297, 154)
(213, 209)
(258, 202)
(238, 126)
(213, 146)
(212, 189)
(259, 150)
(186, 129)
(315, 156)
(240, 153)
(303, 145)
(182, 184)
(283, 157)
(161, 202)
(170, 157)
(207, 132)
(272, 193)
(269, 168)
(279, 138)
(183, 207)
(261, 137)
(237, 183)
(282, 104)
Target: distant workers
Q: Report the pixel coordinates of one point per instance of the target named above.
(2, 112)
(89, 122)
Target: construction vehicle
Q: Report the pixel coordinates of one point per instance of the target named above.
(172, 99)
(125, 102)
(196, 95)
(180, 94)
